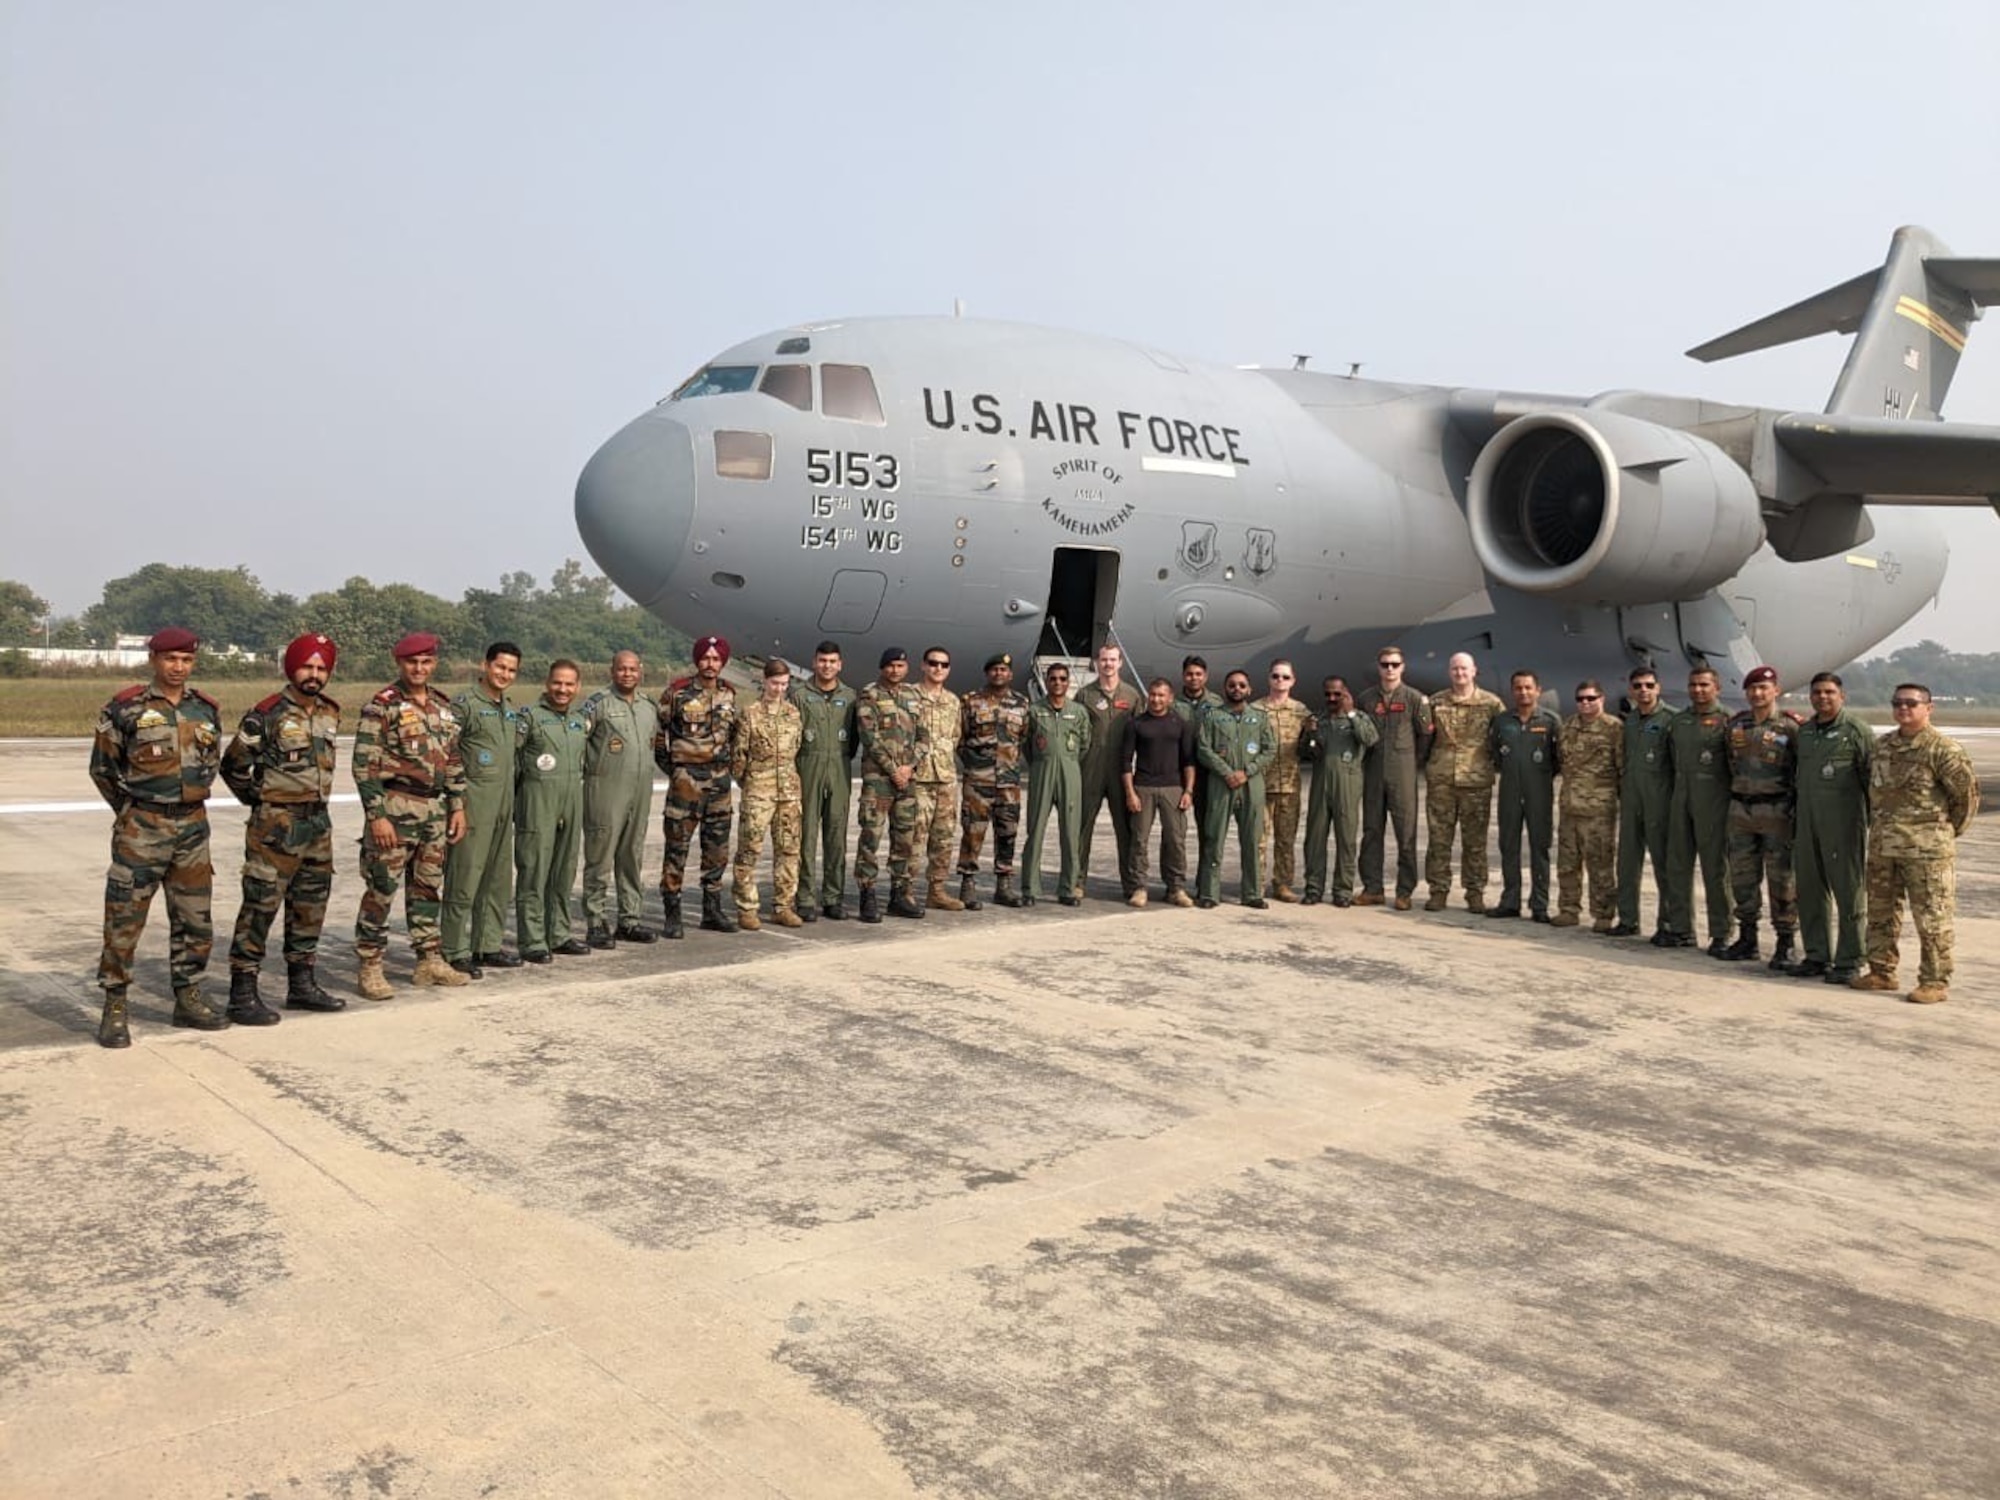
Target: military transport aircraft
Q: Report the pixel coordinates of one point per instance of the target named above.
(990, 486)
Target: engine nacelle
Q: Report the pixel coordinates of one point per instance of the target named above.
(1597, 508)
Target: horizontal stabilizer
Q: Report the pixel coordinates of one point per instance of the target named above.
(1835, 310)
(1923, 463)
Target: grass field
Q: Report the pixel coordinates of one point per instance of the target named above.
(66, 707)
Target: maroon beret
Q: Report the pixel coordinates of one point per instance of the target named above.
(1760, 674)
(174, 638)
(417, 643)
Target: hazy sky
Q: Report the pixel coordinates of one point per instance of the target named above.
(357, 288)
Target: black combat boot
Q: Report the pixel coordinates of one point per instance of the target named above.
(1781, 957)
(111, 1028)
(192, 1010)
(870, 911)
(808, 913)
(1745, 946)
(601, 939)
(302, 991)
(1718, 947)
(1004, 893)
(246, 1005)
(902, 904)
(671, 926)
(965, 895)
(715, 916)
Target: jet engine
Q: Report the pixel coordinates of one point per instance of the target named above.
(1593, 507)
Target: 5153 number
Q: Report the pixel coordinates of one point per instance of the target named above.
(854, 471)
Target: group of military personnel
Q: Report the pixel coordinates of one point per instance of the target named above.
(473, 801)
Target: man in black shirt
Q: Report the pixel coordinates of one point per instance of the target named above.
(1158, 765)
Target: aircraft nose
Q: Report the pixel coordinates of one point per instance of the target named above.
(635, 504)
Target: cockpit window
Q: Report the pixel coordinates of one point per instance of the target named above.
(791, 384)
(848, 392)
(742, 455)
(717, 380)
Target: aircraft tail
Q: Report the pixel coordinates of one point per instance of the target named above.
(1911, 318)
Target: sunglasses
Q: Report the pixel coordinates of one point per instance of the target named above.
(1388, 664)
(1281, 677)
(932, 661)
(1906, 703)
(1589, 697)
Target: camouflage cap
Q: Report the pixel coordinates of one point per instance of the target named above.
(173, 638)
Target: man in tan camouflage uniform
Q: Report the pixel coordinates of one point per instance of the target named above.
(1458, 784)
(1282, 785)
(993, 728)
(694, 745)
(890, 722)
(1592, 754)
(766, 767)
(412, 785)
(937, 780)
(1763, 747)
(156, 753)
(1921, 797)
(280, 765)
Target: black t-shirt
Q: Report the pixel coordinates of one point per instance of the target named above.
(1158, 749)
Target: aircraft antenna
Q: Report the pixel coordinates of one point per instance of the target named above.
(1299, 361)
(958, 307)
(1353, 368)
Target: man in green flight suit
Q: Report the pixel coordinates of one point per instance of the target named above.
(1698, 819)
(479, 872)
(828, 737)
(618, 804)
(1644, 798)
(1058, 740)
(1336, 744)
(1526, 747)
(1234, 748)
(551, 739)
(1830, 835)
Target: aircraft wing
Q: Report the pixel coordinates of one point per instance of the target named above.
(1892, 461)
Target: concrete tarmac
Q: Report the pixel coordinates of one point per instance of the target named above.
(1161, 1204)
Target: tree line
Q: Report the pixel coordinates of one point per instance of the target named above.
(575, 614)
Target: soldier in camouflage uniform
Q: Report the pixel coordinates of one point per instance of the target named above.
(479, 871)
(1111, 700)
(1289, 718)
(766, 767)
(1830, 834)
(617, 804)
(694, 745)
(1527, 747)
(157, 750)
(1458, 783)
(1403, 732)
(1921, 797)
(1698, 819)
(551, 740)
(826, 760)
(1644, 802)
(412, 787)
(280, 765)
(1058, 740)
(1234, 747)
(937, 780)
(1763, 782)
(1336, 744)
(890, 725)
(1592, 752)
(993, 729)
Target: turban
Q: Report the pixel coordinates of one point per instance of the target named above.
(173, 638)
(417, 643)
(305, 648)
(713, 643)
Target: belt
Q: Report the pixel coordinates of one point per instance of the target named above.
(168, 807)
(306, 805)
(411, 789)
(1761, 797)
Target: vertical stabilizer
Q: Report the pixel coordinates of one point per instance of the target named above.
(1910, 320)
